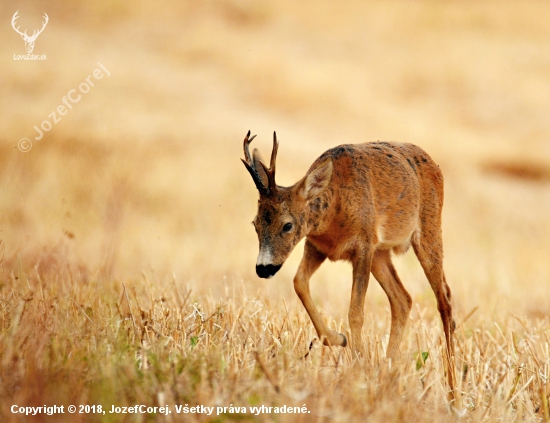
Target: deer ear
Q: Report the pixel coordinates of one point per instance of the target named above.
(256, 158)
(318, 179)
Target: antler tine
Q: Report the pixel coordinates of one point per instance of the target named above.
(45, 22)
(247, 141)
(37, 32)
(272, 186)
(249, 164)
(13, 19)
(274, 153)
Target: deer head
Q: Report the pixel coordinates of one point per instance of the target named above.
(283, 212)
(29, 40)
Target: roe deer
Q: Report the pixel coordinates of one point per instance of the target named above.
(356, 203)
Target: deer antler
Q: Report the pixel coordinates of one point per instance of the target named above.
(13, 19)
(35, 34)
(271, 188)
(249, 164)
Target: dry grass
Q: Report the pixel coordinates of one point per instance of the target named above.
(127, 254)
(70, 340)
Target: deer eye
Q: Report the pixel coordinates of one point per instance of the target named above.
(287, 227)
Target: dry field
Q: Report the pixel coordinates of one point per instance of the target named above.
(127, 255)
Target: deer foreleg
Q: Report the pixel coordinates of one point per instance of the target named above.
(311, 261)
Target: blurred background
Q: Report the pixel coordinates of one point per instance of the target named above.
(143, 175)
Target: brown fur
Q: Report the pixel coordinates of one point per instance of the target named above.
(358, 203)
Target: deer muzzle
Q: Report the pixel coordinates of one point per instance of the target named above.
(267, 271)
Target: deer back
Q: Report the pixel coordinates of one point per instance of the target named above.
(374, 197)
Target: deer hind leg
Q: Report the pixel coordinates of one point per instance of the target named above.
(361, 272)
(400, 300)
(311, 261)
(428, 247)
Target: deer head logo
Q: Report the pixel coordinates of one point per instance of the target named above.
(29, 40)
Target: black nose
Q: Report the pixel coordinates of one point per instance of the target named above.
(267, 271)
